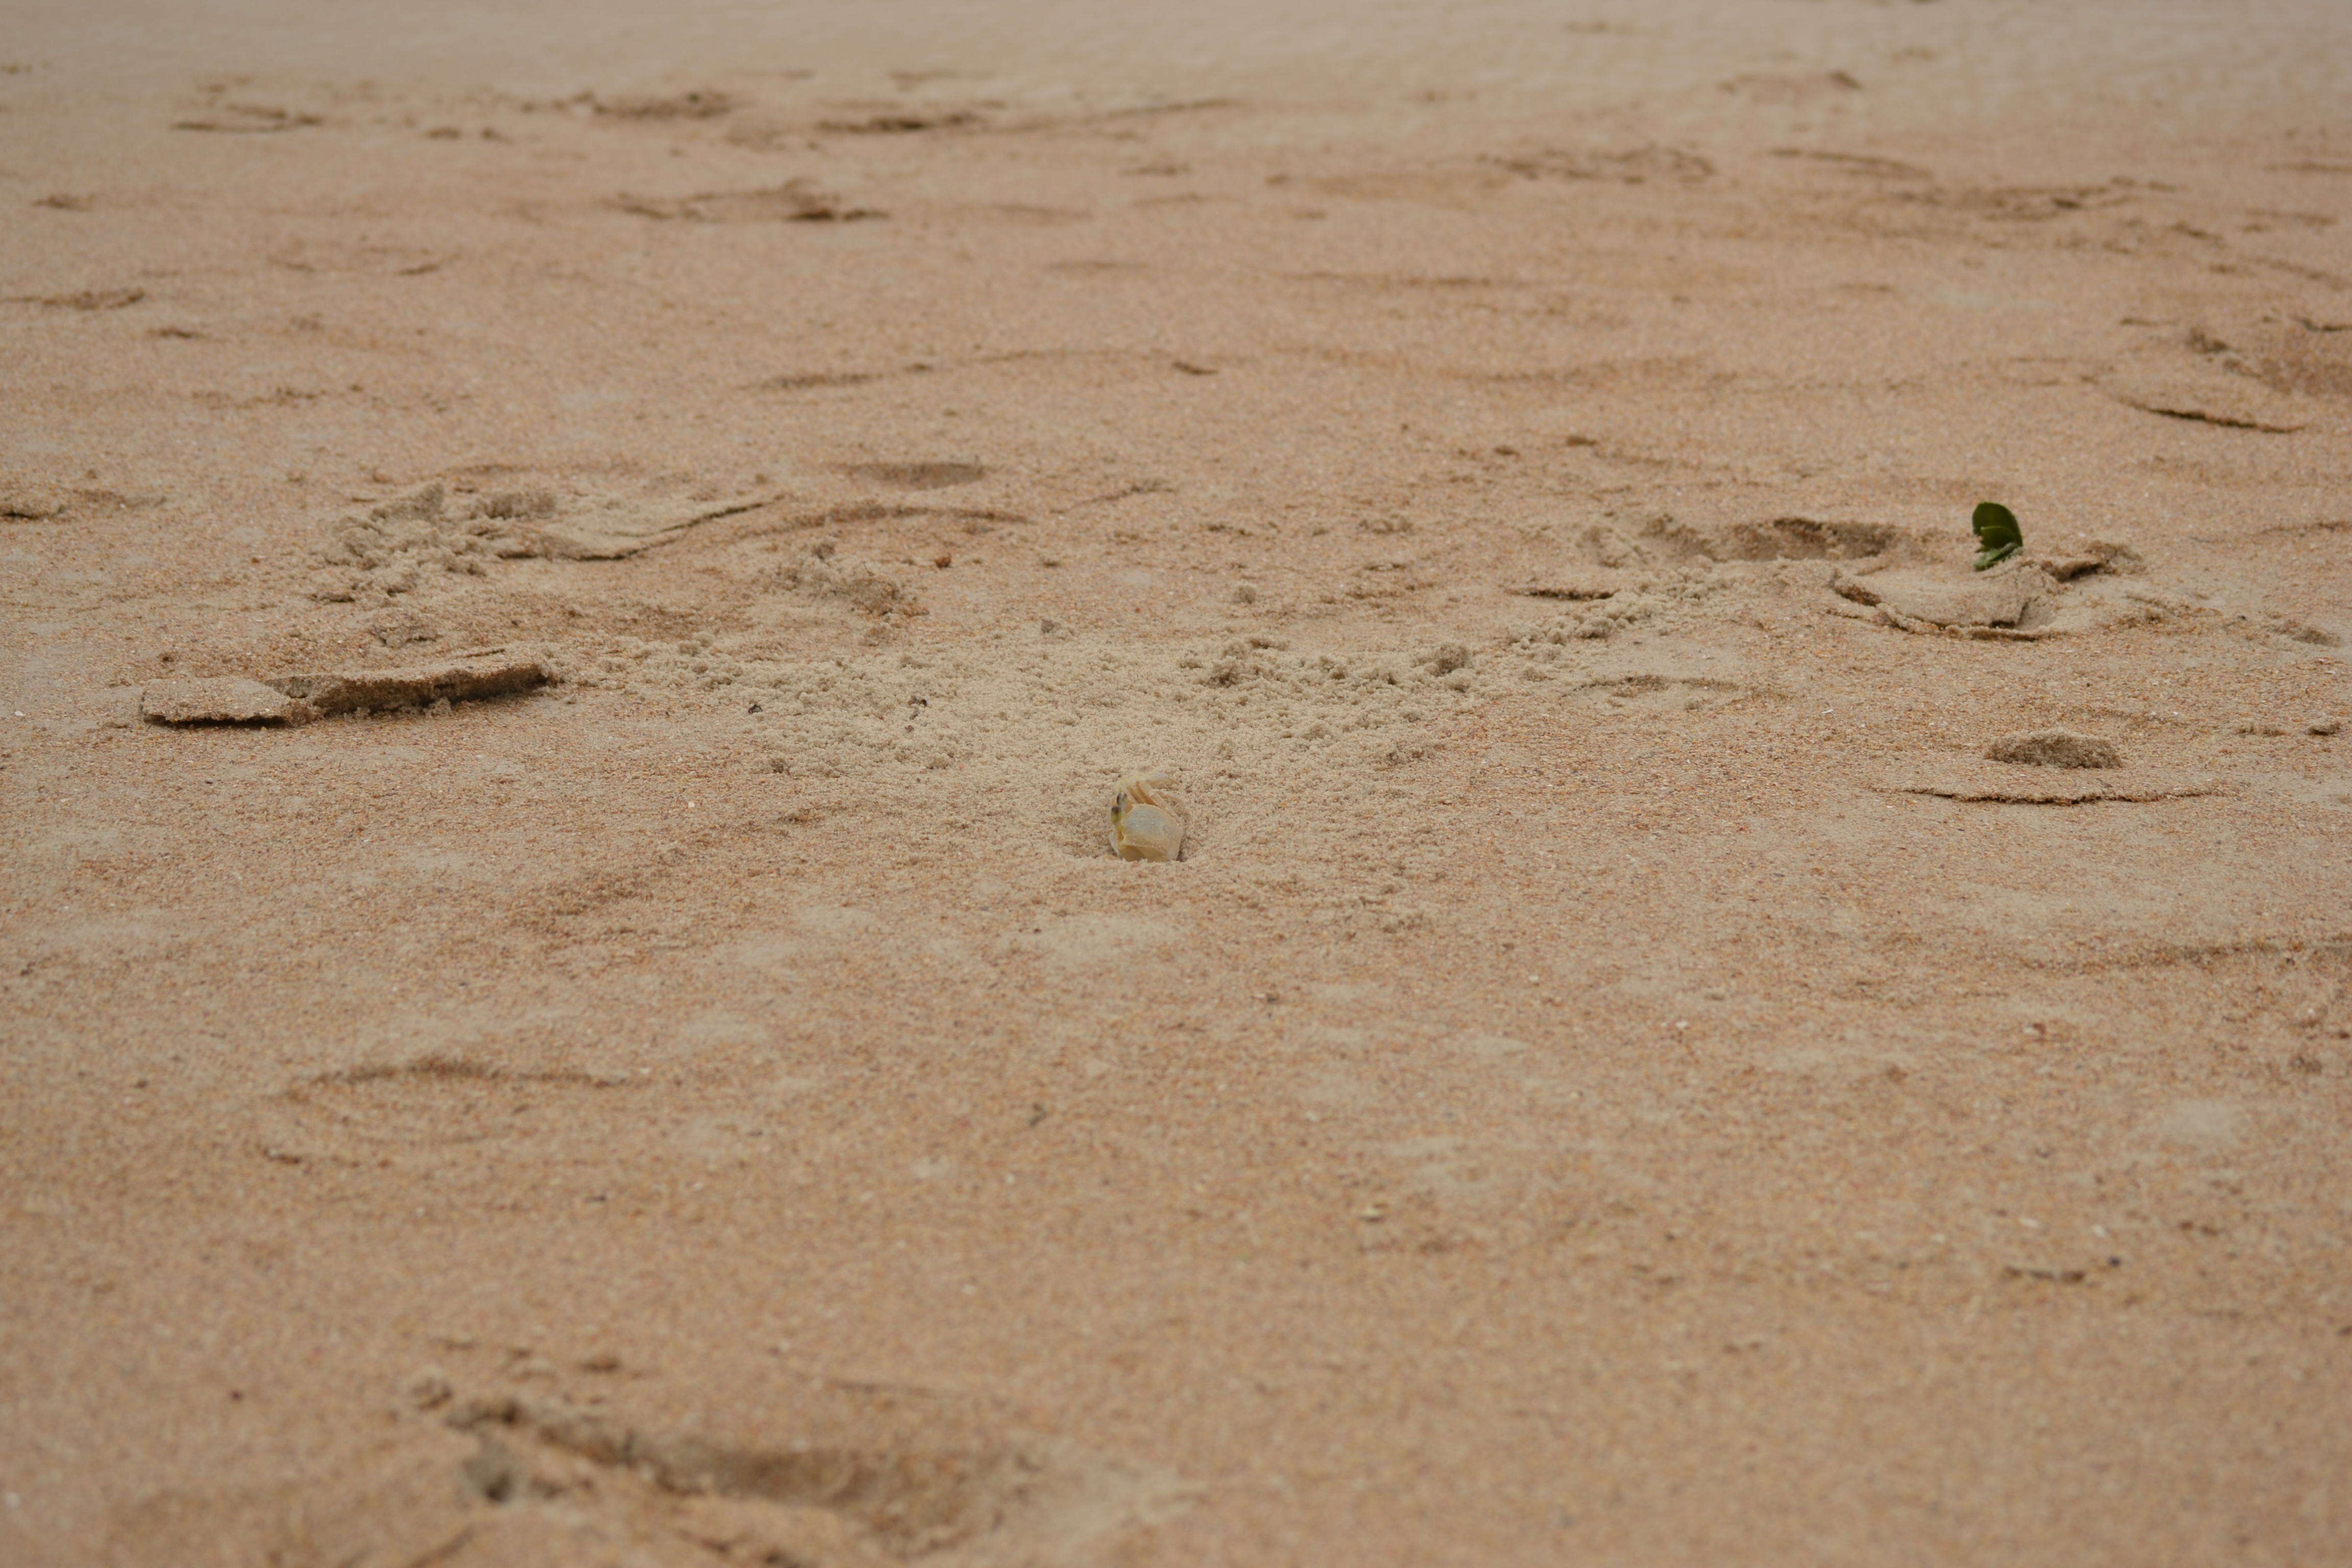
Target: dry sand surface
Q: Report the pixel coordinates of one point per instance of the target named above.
(674, 1074)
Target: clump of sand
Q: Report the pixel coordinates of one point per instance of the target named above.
(2055, 749)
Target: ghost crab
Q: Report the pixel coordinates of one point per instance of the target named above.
(1147, 819)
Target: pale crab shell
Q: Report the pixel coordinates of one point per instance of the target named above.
(1147, 820)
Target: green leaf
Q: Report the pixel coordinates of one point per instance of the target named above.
(1998, 535)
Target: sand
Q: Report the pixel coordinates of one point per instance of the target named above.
(1618, 1074)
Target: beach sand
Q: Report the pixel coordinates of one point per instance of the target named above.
(1618, 1074)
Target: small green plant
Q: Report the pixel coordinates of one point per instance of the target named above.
(1998, 535)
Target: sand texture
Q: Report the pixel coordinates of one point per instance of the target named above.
(577, 582)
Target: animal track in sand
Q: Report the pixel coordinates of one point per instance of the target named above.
(83, 300)
(705, 103)
(416, 1112)
(918, 476)
(1791, 87)
(902, 121)
(794, 201)
(1631, 166)
(809, 381)
(1434, 187)
(246, 119)
(394, 546)
(1859, 163)
(1144, 360)
(363, 259)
